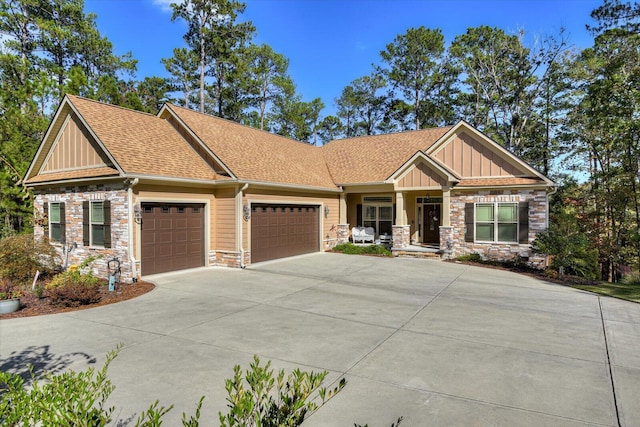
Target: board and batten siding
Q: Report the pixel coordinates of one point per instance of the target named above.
(73, 150)
(422, 176)
(470, 158)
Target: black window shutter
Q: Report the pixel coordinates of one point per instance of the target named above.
(85, 222)
(468, 222)
(63, 236)
(394, 214)
(359, 215)
(523, 222)
(107, 223)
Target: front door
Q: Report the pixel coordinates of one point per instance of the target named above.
(431, 223)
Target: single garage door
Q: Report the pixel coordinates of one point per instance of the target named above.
(172, 237)
(279, 231)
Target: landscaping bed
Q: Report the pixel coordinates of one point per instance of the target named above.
(626, 291)
(32, 305)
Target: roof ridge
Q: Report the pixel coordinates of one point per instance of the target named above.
(241, 124)
(402, 132)
(106, 104)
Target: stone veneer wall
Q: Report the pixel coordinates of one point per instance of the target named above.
(497, 251)
(401, 236)
(73, 198)
(228, 258)
(342, 236)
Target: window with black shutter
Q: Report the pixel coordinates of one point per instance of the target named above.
(96, 224)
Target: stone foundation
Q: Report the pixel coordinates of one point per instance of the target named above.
(228, 259)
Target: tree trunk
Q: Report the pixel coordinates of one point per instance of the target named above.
(202, 63)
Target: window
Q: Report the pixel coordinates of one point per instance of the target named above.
(56, 221)
(496, 222)
(96, 223)
(380, 217)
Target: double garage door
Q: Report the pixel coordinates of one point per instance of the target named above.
(279, 231)
(173, 234)
(172, 237)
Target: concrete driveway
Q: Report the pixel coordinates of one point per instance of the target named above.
(439, 344)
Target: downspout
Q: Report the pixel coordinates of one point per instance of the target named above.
(240, 207)
(132, 258)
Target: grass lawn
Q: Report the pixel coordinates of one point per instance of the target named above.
(619, 290)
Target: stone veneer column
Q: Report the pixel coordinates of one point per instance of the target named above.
(342, 233)
(446, 241)
(401, 236)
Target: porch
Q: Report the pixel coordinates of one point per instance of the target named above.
(412, 220)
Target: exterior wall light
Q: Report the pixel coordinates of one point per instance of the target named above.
(137, 212)
(326, 211)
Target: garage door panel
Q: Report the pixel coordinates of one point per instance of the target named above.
(164, 237)
(279, 231)
(172, 237)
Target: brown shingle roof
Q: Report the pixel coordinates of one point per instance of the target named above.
(142, 143)
(72, 174)
(376, 158)
(255, 155)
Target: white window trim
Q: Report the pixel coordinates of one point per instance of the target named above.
(91, 223)
(495, 222)
(51, 222)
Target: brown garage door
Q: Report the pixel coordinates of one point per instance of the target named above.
(172, 237)
(279, 231)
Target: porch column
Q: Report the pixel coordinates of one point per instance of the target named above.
(446, 230)
(343, 208)
(401, 209)
(401, 234)
(446, 207)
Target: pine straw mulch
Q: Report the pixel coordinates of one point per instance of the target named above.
(31, 305)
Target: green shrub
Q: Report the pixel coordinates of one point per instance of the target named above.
(73, 288)
(75, 294)
(79, 398)
(631, 279)
(351, 249)
(22, 255)
(260, 399)
(68, 399)
(571, 253)
(472, 257)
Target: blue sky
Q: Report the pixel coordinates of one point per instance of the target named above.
(331, 42)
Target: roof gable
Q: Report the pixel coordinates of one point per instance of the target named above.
(74, 148)
(135, 143)
(421, 172)
(472, 155)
